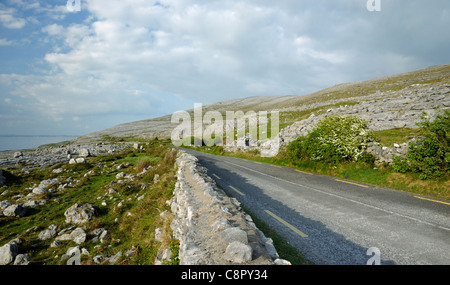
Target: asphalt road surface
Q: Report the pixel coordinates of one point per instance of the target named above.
(335, 221)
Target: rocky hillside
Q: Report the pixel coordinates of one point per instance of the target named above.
(388, 102)
(382, 110)
(95, 205)
(122, 204)
(162, 127)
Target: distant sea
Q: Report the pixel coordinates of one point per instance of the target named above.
(17, 142)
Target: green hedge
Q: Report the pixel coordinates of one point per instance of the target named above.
(430, 155)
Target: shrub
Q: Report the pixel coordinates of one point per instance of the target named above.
(367, 158)
(333, 139)
(430, 155)
(296, 149)
(400, 165)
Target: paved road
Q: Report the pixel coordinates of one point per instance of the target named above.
(335, 221)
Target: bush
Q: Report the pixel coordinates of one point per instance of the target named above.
(429, 156)
(400, 165)
(367, 158)
(333, 139)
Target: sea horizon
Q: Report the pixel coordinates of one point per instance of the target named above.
(21, 142)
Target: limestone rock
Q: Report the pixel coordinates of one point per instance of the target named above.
(18, 154)
(22, 259)
(159, 234)
(208, 223)
(48, 233)
(58, 170)
(8, 253)
(4, 204)
(162, 255)
(221, 225)
(234, 234)
(238, 252)
(77, 160)
(15, 211)
(84, 152)
(99, 234)
(279, 261)
(99, 258)
(49, 183)
(80, 160)
(79, 214)
(78, 236)
(113, 259)
(39, 190)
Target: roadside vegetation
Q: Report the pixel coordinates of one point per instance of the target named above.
(334, 139)
(336, 147)
(430, 155)
(128, 207)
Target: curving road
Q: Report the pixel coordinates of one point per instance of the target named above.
(335, 221)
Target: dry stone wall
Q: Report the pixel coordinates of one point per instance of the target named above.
(211, 227)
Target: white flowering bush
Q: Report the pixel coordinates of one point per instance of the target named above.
(334, 138)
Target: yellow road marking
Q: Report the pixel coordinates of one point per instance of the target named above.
(304, 172)
(352, 183)
(239, 192)
(432, 200)
(257, 162)
(276, 166)
(297, 231)
(216, 176)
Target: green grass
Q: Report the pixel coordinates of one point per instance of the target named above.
(389, 137)
(135, 231)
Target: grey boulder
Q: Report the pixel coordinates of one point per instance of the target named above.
(8, 253)
(79, 214)
(15, 210)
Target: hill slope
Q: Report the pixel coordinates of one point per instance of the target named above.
(296, 108)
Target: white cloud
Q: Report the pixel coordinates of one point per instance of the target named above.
(6, 42)
(8, 19)
(53, 29)
(197, 46)
(132, 57)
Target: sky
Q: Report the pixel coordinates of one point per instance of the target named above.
(71, 71)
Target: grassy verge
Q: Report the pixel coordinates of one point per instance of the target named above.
(399, 136)
(383, 176)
